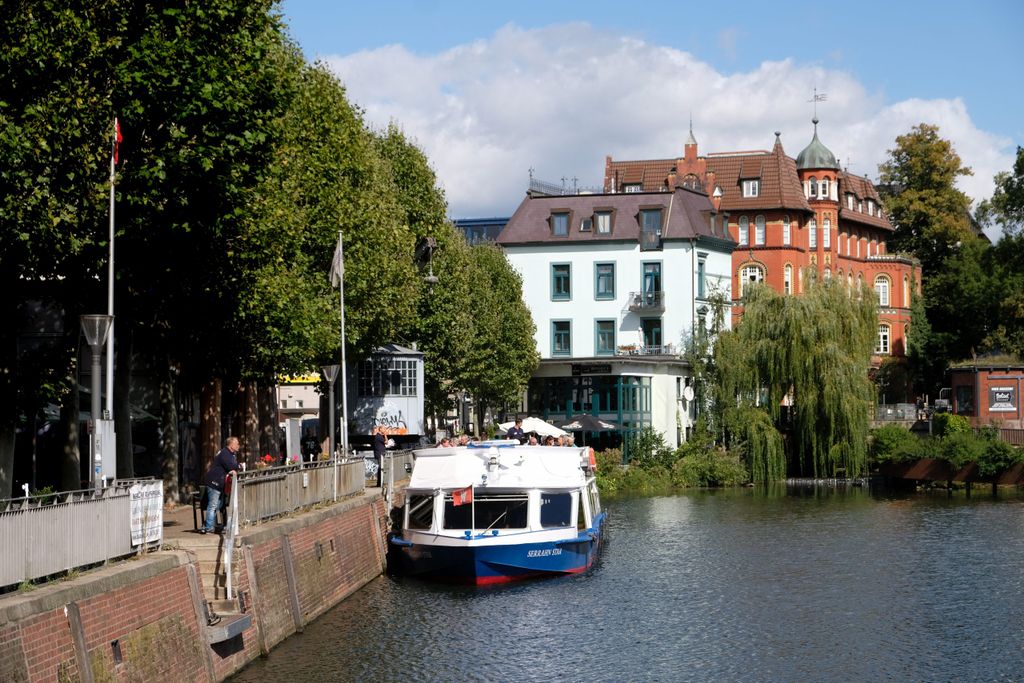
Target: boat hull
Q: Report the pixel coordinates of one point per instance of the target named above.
(483, 564)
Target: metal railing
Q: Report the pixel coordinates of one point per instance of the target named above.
(47, 534)
(647, 301)
(275, 491)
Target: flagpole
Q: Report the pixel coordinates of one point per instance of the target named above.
(110, 283)
(344, 368)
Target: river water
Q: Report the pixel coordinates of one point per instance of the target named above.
(800, 584)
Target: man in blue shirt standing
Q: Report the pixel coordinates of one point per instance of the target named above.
(516, 431)
(223, 463)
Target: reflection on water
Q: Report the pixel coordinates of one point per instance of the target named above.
(740, 585)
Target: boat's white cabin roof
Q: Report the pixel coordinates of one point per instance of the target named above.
(518, 467)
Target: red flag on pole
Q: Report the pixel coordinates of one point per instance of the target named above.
(462, 496)
(117, 139)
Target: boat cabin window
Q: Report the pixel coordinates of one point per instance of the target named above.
(555, 510)
(492, 510)
(595, 501)
(581, 514)
(421, 512)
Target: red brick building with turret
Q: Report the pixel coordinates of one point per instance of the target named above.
(792, 219)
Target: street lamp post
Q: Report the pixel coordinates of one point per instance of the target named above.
(331, 374)
(96, 327)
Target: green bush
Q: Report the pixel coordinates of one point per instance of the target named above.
(893, 443)
(709, 468)
(961, 448)
(997, 457)
(647, 449)
(947, 424)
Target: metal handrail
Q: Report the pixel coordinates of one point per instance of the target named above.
(230, 531)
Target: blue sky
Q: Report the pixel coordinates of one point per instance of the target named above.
(490, 90)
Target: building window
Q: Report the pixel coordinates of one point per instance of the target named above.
(906, 292)
(827, 275)
(871, 207)
(857, 237)
(651, 283)
(826, 234)
(604, 222)
(701, 274)
(586, 224)
(650, 220)
(604, 337)
(849, 202)
(751, 188)
(561, 338)
(787, 279)
(824, 188)
(786, 229)
(813, 233)
(882, 290)
(749, 275)
(812, 187)
(604, 281)
(632, 187)
(759, 229)
(650, 328)
(882, 344)
(561, 281)
(744, 228)
(860, 206)
(386, 377)
(560, 224)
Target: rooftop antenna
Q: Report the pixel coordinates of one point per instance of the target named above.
(818, 97)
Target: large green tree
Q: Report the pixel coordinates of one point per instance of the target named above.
(504, 353)
(812, 352)
(930, 214)
(444, 325)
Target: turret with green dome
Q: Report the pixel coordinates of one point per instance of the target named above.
(816, 155)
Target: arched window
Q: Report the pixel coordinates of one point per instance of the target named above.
(812, 185)
(826, 233)
(787, 279)
(828, 274)
(750, 274)
(824, 188)
(812, 228)
(759, 229)
(849, 281)
(882, 290)
(744, 229)
(882, 344)
(906, 292)
(786, 236)
(857, 237)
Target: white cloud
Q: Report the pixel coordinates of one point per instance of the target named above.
(560, 98)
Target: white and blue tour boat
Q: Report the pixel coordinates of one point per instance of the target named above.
(499, 511)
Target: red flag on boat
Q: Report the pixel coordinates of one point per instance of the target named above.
(117, 139)
(462, 496)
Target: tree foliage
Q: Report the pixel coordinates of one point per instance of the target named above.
(930, 214)
(1006, 207)
(812, 351)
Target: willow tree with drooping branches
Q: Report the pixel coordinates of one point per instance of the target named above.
(810, 351)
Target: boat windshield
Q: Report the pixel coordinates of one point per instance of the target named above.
(555, 510)
(421, 511)
(491, 510)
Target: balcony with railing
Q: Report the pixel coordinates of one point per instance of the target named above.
(650, 240)
(647, 302)
(646, 350)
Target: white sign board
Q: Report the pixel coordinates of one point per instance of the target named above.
(147, 511)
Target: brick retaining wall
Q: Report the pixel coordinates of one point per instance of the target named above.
(289, 572)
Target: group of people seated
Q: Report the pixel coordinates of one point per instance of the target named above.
(515, 432)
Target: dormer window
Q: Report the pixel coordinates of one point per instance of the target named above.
(586, 224)
(752, 187)
(849, 202)
(871, 206)
(560, 224)
(604, 222)
(632, 187)
(860, 206)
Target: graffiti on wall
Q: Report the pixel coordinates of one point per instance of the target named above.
(391, 419)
